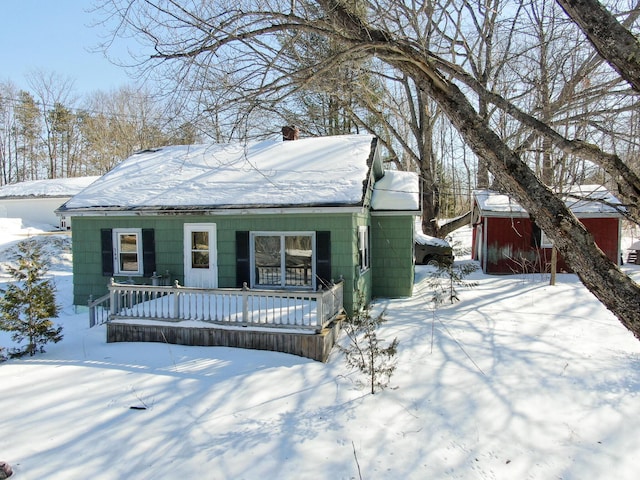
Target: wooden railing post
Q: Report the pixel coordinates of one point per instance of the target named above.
(92, 312)
(176, 300)
(245, 303)
(320, 309)
(112, 297)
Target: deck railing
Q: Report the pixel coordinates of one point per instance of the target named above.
(99, 310)
(225, 306)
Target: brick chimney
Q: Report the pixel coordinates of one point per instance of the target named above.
(290, 132)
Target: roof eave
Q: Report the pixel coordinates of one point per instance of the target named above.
(395, 213)
(211, 210)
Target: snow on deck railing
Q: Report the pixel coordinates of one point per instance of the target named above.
(225, 306)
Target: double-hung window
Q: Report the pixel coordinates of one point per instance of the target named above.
(283, 260)
(127, 249)
(364, 254)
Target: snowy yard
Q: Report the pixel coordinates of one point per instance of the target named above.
(520, 380)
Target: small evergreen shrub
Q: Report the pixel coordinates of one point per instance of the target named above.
(29, 303)
(366, 352)
(446, 279)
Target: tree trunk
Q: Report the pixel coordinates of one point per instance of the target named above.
(627, 181)
(455, 224)
(617, 45)
(601, 277)
(554, 265)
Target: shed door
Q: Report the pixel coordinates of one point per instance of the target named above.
(200, 255)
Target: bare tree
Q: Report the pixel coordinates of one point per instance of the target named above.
(28, 122)
(119, 123)
(42, 136)
(55, 97)
(580, 104)
(612, 40)
(248, 36)
(625, 179)
(8, 93)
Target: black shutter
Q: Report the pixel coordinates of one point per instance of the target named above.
(323, 258)
(106, 240)
(148, 251)
(243, 260)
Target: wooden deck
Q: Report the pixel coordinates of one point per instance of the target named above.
(302, 323)
(315, 346)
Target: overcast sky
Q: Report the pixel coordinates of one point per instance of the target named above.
(55, 36)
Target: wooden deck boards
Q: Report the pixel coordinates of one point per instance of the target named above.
(315, 346)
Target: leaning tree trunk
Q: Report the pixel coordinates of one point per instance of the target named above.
(455, 224)
(617, 45)
(626, 179)
(602, 277)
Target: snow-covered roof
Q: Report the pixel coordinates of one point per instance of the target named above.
(306, 172)
(582, 200)
(396, 191)
(423, 239)
(58, 187)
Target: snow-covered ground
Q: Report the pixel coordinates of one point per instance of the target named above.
(520, 380)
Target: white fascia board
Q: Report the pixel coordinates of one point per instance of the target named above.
(213, 212)
(503, 214)
(395, 213)
(523, 214)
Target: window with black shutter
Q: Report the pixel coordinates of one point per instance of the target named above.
(127, 251)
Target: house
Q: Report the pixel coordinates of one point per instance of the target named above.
(36, 201)
(289, 216)
(507, 240)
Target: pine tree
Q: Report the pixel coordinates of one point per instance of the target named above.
(445, 280)
(29, 302)
(366, 351)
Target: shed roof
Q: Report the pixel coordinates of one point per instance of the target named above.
(53, 188)
(582, 200)
(306, 172)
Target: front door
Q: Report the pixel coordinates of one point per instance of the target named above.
(200, 255)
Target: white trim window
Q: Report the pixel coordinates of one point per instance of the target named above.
(127, 251)
(283, 259)
(545, 242)
(364, 252)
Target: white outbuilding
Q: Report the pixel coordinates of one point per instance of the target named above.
(35, 201)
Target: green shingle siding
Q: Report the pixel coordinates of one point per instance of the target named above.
(392, 256)
(391, 272)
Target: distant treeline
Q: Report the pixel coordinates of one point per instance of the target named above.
(45, 133)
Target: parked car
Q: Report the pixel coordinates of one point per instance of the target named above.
(431, 250)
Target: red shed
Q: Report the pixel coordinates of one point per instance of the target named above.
(507, 240)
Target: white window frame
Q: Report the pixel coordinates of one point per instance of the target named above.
(117, 233)
(545, 242)
(282, 235)
(364, 248)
